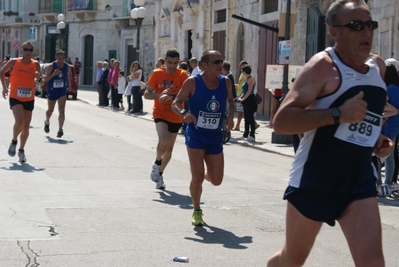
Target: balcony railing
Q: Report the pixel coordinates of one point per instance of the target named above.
(50, 6)
(83, 5)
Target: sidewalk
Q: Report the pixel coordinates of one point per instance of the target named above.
(263, 134)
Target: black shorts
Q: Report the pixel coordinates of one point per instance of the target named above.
(321, 205)
(29, 105)
(172, 127)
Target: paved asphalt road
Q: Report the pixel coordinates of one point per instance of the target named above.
(86, 200)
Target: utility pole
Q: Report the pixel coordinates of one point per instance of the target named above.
(284, 89)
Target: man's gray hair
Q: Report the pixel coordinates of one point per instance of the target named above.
(335, 7)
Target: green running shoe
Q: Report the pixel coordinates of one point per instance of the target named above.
(196, 219)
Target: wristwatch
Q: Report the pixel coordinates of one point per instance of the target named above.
(183, 111)
(336, 114)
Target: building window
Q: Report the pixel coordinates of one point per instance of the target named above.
(269, 6)
(221, 16)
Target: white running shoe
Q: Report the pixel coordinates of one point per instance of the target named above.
(160, 184)
(155, 173)
(250, 139)
(394, 187)
(383, 190)
(21, 156)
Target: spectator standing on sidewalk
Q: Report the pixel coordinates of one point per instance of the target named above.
(109, 78)
(21, 95)
(226, 72)
(391, 126)
(105, 85)
(99, 73)
(166, 82)
(135, 79)
(337, 101)
(78, 67)
(114, 85)
(208, 94)
(121, 88)
(239, 107)
(248, 101)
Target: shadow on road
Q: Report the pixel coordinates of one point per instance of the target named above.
(174, 199)
(25, 167)
(58, 141)
(214, 235)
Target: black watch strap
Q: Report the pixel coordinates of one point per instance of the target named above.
(336, 114)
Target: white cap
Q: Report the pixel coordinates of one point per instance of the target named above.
(392, 61)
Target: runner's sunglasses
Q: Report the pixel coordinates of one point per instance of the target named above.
(217, 62)
(28, 49)
(359, 25)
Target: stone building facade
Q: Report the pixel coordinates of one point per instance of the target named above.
(105, 30)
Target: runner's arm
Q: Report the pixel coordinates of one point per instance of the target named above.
(38, 75)
(9, 65)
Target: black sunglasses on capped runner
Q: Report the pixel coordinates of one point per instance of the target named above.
(217, 62)
(28, 49)
(359, 25)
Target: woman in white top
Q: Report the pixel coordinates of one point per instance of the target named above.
(135, 78)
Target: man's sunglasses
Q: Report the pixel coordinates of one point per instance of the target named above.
(216, 62)
(28, 49)
(359, 25)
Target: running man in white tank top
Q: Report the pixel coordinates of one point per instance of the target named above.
(337, 101)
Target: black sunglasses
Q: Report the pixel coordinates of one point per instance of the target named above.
(359, 25)
(217, 62)
(28, 49)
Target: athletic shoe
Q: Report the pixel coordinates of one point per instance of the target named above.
(21, 156)
(250, 139)
(155, 172)
(160, 184)
(383, 190)
(60, 133)
(46, 127)
(394, 187)
(12, 149)
(196, 219)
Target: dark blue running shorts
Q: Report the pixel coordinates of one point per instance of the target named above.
(54, 94)
(321, 205)
(211, 142)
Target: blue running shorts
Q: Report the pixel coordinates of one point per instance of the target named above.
(211, 142)
(321, 205)
(54, 94)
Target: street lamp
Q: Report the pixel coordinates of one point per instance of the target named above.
(60, 26)
(138, 14)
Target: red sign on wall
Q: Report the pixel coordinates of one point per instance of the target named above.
(16, 45)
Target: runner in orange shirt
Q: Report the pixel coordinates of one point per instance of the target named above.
(162, 87)
(25, 71)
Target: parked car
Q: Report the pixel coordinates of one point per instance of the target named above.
(42, 90)
(72, 90)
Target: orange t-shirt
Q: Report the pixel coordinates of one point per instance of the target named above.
(23, 81)
(161, 80)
